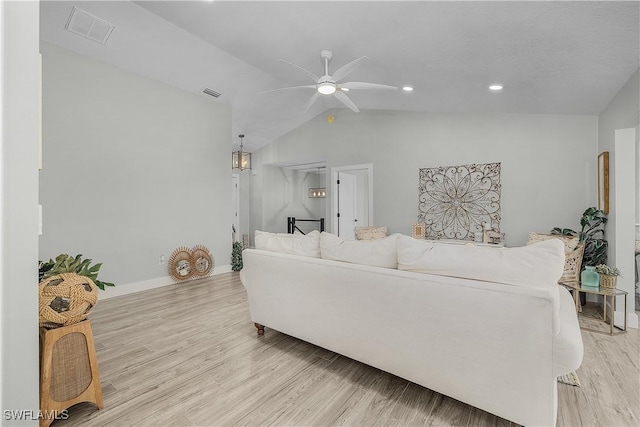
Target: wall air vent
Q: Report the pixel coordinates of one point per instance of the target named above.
(89, 26)
(211, 92)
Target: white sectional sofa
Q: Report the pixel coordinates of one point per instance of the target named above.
(487, 326)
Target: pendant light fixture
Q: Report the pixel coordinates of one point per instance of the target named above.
(318, 192)
(241, 159)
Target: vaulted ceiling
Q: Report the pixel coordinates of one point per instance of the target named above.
(552, 57)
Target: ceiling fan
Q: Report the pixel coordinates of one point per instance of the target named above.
(327, 84)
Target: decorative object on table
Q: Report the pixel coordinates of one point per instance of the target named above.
(245, 241)
(417, 231)
(608, 276)
(236, 256)
(454, 202)
(68, 369)
(603, 182)
(68, 264)
(573, 253)
(589, 278)
(181, 264)
(241, 159)
(66, 299)
(370, 233)
(492, 237)
(202, 261)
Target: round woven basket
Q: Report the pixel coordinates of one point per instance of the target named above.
(66, 299)
(607, 281)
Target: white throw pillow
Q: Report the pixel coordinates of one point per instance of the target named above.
(293, 244)
(378, 253)
(537, 265)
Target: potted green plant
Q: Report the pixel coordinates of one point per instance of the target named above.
(68, 264)
(593, 222)
(236, 256)
(608, 276)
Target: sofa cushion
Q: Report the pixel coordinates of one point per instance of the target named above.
(537, 265)
(567, 345)
(293, 244)
(370, 233)
(378, 253)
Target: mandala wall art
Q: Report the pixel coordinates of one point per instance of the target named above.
(455, 202)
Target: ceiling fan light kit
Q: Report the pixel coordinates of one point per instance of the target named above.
(327, 84)
(326, 88)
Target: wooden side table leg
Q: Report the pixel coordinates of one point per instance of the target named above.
(260, 329)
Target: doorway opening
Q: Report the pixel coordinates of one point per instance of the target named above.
(352, 199)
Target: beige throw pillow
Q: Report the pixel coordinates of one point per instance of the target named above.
(371, 233)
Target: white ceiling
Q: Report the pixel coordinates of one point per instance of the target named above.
(553, 57)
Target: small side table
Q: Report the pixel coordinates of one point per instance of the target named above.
(609, 304)
(68, 370)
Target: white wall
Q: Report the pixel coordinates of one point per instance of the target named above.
(623, 112)
(132, 168)
(286, 195)
(548, 168)
(19, 32)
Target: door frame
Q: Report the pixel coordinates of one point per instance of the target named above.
(334, 190)
(235, 179)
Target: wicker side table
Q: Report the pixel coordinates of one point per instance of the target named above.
(68, 369)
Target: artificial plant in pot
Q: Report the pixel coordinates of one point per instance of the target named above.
(68, 264)
(236, 256)
(608, 275)
(592, 234)
(593, 222)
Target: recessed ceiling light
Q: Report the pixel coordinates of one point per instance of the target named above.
(407, 88)
(495, 87)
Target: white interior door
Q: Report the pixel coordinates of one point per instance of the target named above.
(235, 207)
(347, 205)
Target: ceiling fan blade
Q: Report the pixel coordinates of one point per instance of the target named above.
(343, 71)
(315, 78)
(340, 96)
(310, 102)
(289, 88)
(365, 85)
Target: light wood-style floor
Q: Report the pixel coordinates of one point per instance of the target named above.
(188, 354)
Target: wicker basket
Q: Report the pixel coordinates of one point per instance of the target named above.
(607, 281)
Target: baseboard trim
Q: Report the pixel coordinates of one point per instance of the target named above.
(632, 319)
(145, 285)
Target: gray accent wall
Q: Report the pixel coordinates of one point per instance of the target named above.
(132, 168)
(548, 168)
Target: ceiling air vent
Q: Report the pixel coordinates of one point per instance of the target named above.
(211, 92)
(89, 26)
